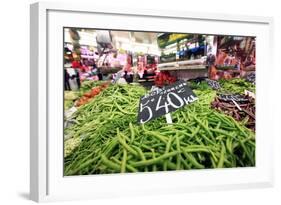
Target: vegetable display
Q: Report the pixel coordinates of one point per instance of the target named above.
(69, 98)
(89, 95)
(251, 78)
(236, 85)
(245, 112)
(87, 85)
(164, 78)
(111, 141)
(199, 85)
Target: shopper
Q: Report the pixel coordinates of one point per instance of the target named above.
(128, 78)
(66, 80)
(99, 73)
(77, 77)
(76, 64)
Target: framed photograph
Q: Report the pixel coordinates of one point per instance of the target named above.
(127, 101)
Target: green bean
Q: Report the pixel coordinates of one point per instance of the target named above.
(195, 131)
(223, 119)
(179, 152)
(214, 165)
(185, 164)
(85, 164)
(168, 146)
(193, 161)
(239, 127)
(247, 139)
(218, 125)
(126, 146)
(142, 145)
(170, 165)
(199, 149)
(123, 164)
(203, 126)
(207, 139)
(132, 132)
(109, 163)
(111, 146)
(247, 152)
(155, 160)
(221, 160)
(158, 136)
(221, 132)
(184, 117)
(121, 110)
(128, 167)
(173, 131)
(229, 145)
(157, 145)
(154, 167)
(139, 151)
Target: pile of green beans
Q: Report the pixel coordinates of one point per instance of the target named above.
(236, 85)
(111, 141)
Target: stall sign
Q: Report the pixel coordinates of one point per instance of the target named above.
(163, 101)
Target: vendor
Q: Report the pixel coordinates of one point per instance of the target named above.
(128, 71)
(128, 66)
(84, 66)
(212, 71)
(115, 63)
(249, 63)
(140, 68)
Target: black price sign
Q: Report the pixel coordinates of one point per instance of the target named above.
(164, 101)
(251, 78)
(231, 97)
(213, 84)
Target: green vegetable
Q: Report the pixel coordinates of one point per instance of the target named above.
(221, 161)
(109, 140)
(123, 165)
(109, 163)
(236, 85)
(155, 160)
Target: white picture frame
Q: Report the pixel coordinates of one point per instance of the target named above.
(47, 182)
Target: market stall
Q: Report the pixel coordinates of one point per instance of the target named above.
(106, 134)
(183, 55)
(150, 102)
(235, 57)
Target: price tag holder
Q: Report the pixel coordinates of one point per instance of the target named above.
(163, 101)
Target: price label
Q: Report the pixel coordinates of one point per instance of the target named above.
(251, 78)
(213, 84)
(164, 101)
(231, 97)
